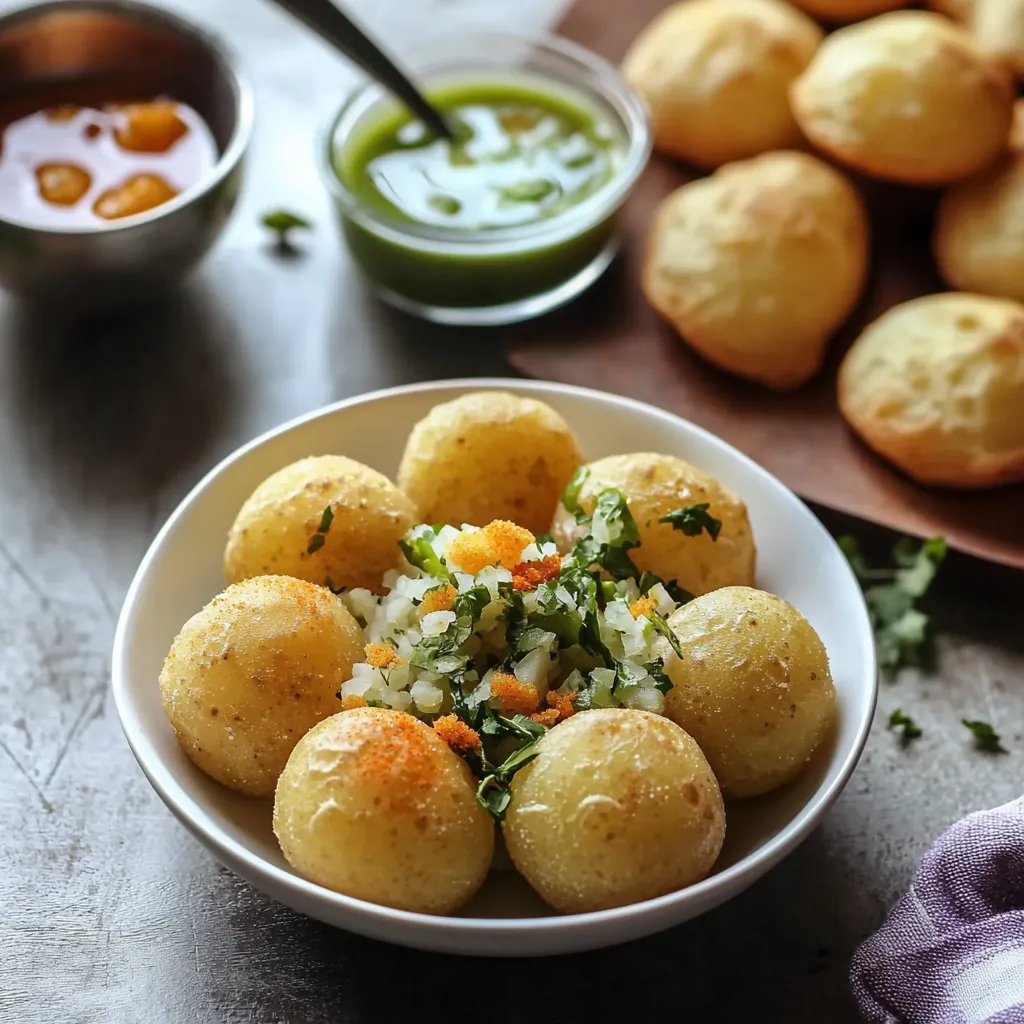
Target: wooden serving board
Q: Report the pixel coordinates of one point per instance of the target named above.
(611, 339)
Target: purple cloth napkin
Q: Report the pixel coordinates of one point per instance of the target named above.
(952, 950)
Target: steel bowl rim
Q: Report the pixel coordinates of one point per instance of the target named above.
(224, 54)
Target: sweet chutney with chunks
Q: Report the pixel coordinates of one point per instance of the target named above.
(84, 165)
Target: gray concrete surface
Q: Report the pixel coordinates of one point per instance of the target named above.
(111, 913)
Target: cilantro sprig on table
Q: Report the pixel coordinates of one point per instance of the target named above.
(909, 729)
(282, 223)
(985, 737)
(891, 594)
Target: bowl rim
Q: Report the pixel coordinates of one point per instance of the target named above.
(300, 890)
(222, 52)
(571, 222)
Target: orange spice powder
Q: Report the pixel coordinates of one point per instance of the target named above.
(440, 599)
(547, 717)
(499, 543)
(456, 733)
(381, 655)
(563, 703)
(516, 698)
(530, 575)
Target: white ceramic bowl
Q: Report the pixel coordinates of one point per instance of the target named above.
(797, 559)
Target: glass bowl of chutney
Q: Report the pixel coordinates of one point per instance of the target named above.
(514, 216)
(122, 133)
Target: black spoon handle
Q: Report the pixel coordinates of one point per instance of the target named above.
(334, 26)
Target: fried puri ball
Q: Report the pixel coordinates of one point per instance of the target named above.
(716, 75)
(489, 455)
(375, 805)
(848, 10)
(936, 386)
(274, 529)
(959, 10)
(979, 232)
(252, 672)
(653, 486)
(907, 96)
(643, 817)
(759, 264)
(753, 687)
(998, 29)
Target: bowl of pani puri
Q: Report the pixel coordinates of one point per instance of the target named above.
(122, 133)
(368, 657)
(517, 213)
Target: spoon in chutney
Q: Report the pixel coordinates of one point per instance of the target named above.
(335, 27)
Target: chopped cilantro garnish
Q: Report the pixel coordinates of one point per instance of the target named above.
(571, 495)
(665, 630)
(909, 729)
(418, 552)
(985, 737)
(692, 519)
(901, 629)
(316, 542)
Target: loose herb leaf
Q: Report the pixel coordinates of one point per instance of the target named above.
(666, 631)
(316, 542)
(325, 520)
(985, 737)
(692, 519)
(419, 553)
(493, 797)
(901, 629)
(470, 604)
(909, 729)
(613, 509)
(282, 223)
(544, 538)
(571, 495)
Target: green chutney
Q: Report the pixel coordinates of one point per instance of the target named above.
(521, 157)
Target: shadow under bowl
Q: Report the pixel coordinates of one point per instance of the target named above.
(68, 51)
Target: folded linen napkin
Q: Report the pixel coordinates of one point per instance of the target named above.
(952, 950)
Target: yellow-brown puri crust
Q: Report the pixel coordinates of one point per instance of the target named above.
(758, 265)
(848, 10)
(907, 96)
(619, 806)
(489, 455)
(998, 29)
(272, 530)
(936, 386)
(979, 232)
(252, 672)
(753, 687)
(716, 75)
(653, 486)
(958, 10)
(374, 804)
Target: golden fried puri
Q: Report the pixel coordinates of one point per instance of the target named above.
(653, 486)
(907, 96)
(716, 75)
(758, 265)
(936, 385)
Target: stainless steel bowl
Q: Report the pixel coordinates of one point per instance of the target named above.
(57, 45)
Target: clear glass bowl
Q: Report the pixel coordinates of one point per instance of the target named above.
(494, 275)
